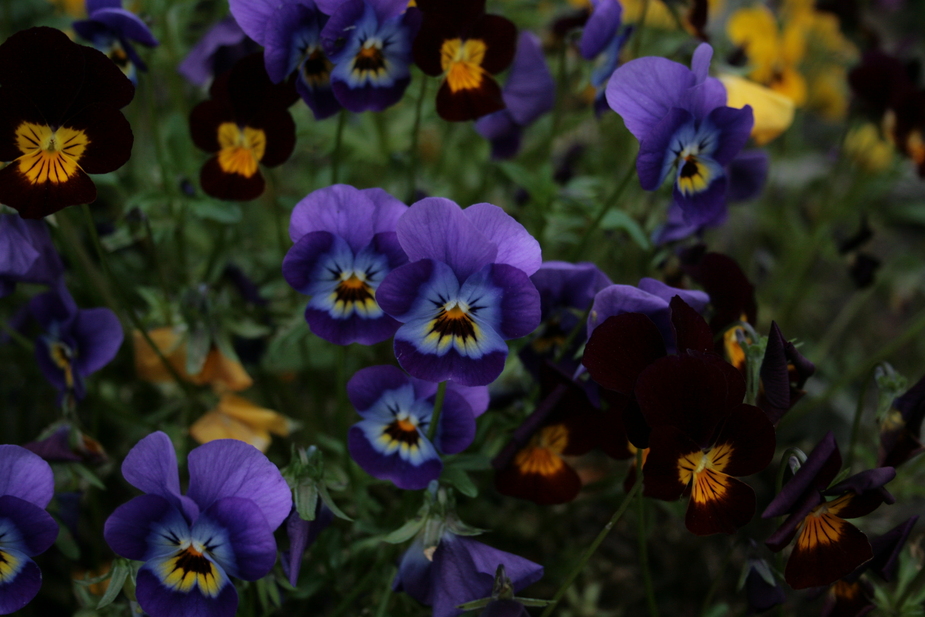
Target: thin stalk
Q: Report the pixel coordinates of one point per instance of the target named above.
(14, 334)
(415, 136)
(583, 560)
(387, 595)
(640, 27)
(858, 412)
(581, 325)
(605, 208)
(642, 537)
(438, 407)
(717, 579)
(159, 268)
(338, 142)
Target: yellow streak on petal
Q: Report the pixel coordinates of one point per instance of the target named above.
(542, 455)
(705, 471)
(9, 566)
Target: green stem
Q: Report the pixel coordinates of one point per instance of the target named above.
(858, 412)
(580, 564)
(642, 537)
(640, 26)
(14, 334)
(341, 414)
(338, 141)
(158, 266)
(387, 595)
(605, 208)
(579, 327)
(717, 579)
(438, 407)
(415, 136)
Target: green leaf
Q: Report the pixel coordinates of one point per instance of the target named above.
(118, 574)
(326, 498)
(460, 480)
(89, 476)
(220, 212)
(405, 532)
(66, 543)
(618, 219)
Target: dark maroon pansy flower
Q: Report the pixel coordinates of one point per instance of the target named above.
(731, 293)
(59, 121)
(783, 373)
(827, 547)
(565, 423)
(245, 124)
(466, 46)
(848, 599)
(900, 430)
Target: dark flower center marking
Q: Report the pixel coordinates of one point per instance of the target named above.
(822, 526)
(369, 61)
(462, 63)
(454, 322)
(542, 455)
(354, 289)
(703, 471)
(63, 357)
(49, 155)
(403, 431)
(241, 148)
(694, 176)
(190, 568)
(119, 57)
(316, 68)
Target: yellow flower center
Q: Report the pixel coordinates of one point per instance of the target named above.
(49, 155)
(541, 456)
(241, 149)
(462, 63)
(705, 471)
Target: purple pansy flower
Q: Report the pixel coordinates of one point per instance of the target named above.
(745, 177)
(26, 530)
(110, 28)
(345, 245)
(27, 254)
(605, 64)
(391, 441)
(369, 42)
(216, 52)
(302, 534)
(192, 544)
(601, 27)
(290, 31)
(529, 92)
(680, 118)
(466, 291)
(458, 571)
(76, 342)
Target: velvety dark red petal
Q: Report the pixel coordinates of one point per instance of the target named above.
(435, 29)
(249, 89)
(661, 472)
(686, 392)
(500, 37)
(465, 11)
(827, 548)
(719, 504)
(731, 293)
(856, 506)
(110, 137)
(103, 82)
(279, 127)
(34, 201)
(469, 103)
(544, 479)
(750, 440)
(620, 349)
(612, 438)
(690, 329)
(44, 66)
(204, 121)
(230, 187)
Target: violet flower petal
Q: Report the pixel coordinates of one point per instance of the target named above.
(17, 592)
(158, 600)
(129, 527)
(600, 28)
(26, 476)
(516, 247)
(824, 457)
(249, 550)
(36, 529)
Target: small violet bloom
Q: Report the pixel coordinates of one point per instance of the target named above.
(76, 342)
(391, 441)
(110, 28)
(26, 530)
(601, 28)
(369, 42)
(290, 32)
(345, 245)
(466, 291)
(529, 93)
(680, 118)
(192, 544)
(216, 52)
(27, 254)
(459, 570)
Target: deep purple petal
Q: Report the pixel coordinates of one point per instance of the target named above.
(197, 66)
(886, 549)
(704, 98)
(129, 527)
(457, 424)
(53, 307)
(303, 534)
(618, 299)
(415, 574)
(656, 157)
(36, 528)
(643, 91)
(387, 9)
(516, 247)
(354, 329)
(436, 228)
(307, 255)
(25, 475)
(249, 537)
(151, 467)
(400, 292)
(98, 335)
(26, 252)
(231, 468)
(467, 371)
(504, 134)
(867, 480)
(820, 467)
(340, 209)
(735, 126)
(746, 175)
(404, 473)
(700, 62)
(253, 15)
(126, 24)
(476, 396)
(18, 592)
(530, 90)
(288, 36)
(563, 284)
(696, 299)
(704, 206)
(160, 601)
(600, 28)
(366, 386)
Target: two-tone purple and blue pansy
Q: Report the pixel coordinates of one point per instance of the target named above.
(290, 32)
(26, 529)
(391, 441)
(466, 291)
(193, 544)
(681, 120)
(75, 342)
(529, 92)
(369, 42)
(27, 254)
(345, 245)
(457, 571)
(110, 29)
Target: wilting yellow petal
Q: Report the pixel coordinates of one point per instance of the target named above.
(258, 417)
(867, 148)
(223, 373)
(829, 94)
(170, 342)
(773, 111)
(216, 425)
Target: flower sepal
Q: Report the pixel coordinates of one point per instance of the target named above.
(305, 476)
(503, 591)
